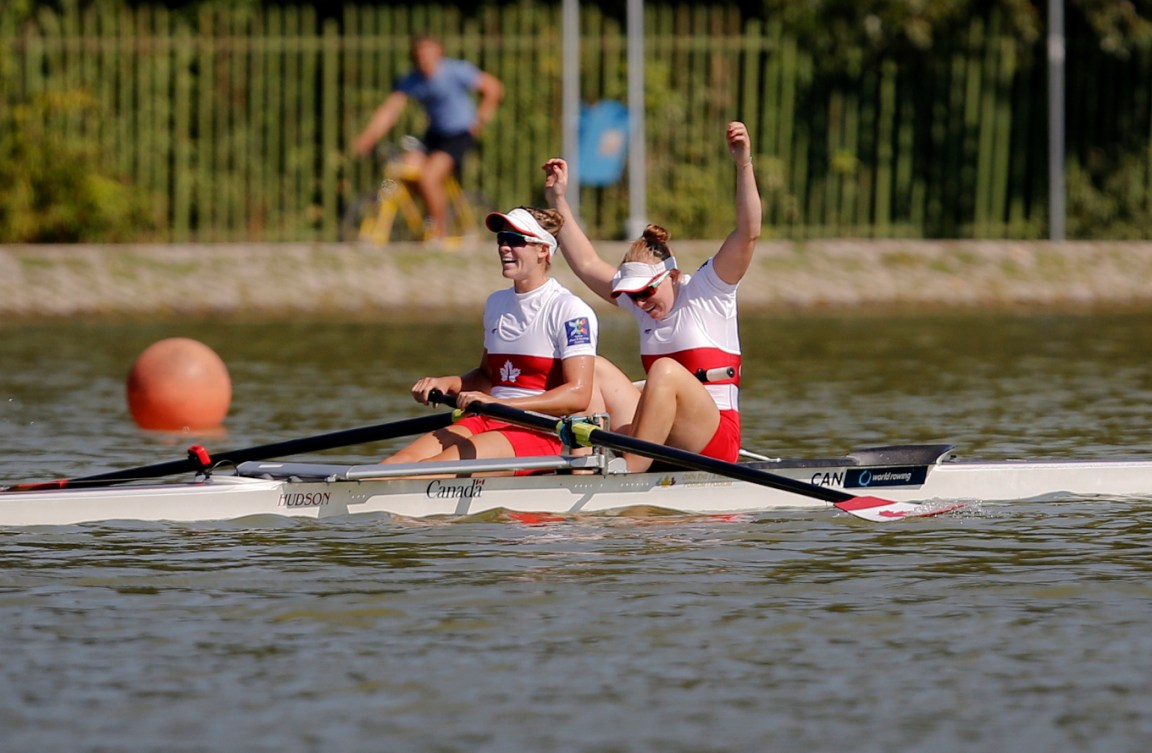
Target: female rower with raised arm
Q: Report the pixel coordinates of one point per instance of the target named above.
(687, 323)
(539, 351)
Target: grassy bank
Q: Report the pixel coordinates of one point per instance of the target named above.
(279, 280)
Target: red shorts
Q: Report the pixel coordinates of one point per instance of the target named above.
(725, 443)
(525, 442)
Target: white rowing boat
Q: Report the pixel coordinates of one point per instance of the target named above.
(565, 484)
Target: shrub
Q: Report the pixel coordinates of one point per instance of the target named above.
(55, 188)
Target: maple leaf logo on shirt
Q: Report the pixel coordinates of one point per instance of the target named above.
(508, 372)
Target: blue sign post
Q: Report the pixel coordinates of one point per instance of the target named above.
(603, 142)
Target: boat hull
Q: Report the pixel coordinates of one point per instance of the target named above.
(290, 492)
(224, 498)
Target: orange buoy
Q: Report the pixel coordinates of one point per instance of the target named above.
(179, 384)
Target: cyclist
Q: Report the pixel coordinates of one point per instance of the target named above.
(443, 86)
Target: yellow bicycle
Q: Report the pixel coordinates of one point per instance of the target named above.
(394, 212)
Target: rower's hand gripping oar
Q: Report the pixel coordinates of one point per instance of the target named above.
(587, 434)
(199, 460)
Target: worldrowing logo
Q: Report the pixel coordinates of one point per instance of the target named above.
(868, 477)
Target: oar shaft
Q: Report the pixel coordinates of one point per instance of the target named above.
(318, 443)
(336, 439)
(625, 443)
(698, 462)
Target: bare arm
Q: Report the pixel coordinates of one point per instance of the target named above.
(735, 255)
(571, 397)
(477, 380)
(578, 251)
(381, 122)
(491, 91)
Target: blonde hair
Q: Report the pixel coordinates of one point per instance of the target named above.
(549, 219)
(651, 245)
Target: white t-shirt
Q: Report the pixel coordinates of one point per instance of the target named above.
(700, 332)
(528, 336)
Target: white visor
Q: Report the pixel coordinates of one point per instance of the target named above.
(521, 221)
(634, 276)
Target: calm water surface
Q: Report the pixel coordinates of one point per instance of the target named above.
(1022, 627)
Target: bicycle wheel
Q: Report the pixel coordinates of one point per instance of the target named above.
(408, 216)
(481, 205)
(372, 218)
(360, 219)
(467, 211)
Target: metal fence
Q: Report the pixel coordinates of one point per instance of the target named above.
(237, 125)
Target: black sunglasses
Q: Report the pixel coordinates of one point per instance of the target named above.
(512, 240)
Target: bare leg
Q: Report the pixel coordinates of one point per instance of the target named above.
(675, 410)
(454, 443)
(437, 167)
(430, 445)
(486, 444)
(613, 393)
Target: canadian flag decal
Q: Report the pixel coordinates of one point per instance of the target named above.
(509, 373)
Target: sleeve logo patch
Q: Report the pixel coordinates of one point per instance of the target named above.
(579, 333)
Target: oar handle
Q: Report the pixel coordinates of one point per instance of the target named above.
(715, 375)
(530, 419)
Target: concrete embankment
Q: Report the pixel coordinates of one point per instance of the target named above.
(334, 279)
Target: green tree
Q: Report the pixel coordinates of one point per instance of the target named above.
(55, 189)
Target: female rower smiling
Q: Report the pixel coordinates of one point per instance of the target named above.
(539, 351)
(687, 323)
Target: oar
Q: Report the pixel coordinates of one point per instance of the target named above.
(586, 434)
(198, 458)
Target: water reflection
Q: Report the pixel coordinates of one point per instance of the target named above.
(995, 385)
(795, 630)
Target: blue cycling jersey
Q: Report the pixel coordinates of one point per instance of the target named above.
(446, 95)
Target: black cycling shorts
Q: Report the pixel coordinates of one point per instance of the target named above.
(455, 144)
